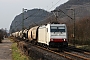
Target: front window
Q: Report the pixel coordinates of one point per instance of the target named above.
(57, 28)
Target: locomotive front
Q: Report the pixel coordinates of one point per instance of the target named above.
(58, 35)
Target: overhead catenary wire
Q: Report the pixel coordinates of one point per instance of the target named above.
(31, 15)
(54, 4)
(28, 17)
(52, 7)
(49, 9)
(38, 13)
(35, 17)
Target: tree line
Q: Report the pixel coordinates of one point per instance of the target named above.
(82, 31)
(3, 34)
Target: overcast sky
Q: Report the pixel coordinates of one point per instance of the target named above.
(10, 8)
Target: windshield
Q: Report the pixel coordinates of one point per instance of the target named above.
(57, 28)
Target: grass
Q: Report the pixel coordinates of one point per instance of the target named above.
(86, 47)
(16, 54)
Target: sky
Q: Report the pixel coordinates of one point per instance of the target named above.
(10, 8)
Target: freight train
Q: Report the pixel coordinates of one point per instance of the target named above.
(52, 35)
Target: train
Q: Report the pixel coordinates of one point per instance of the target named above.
(51, 35)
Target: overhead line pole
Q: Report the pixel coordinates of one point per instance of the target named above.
(56, 15)
(74, 24)
(23, 10)
(23, 19)
(62, 12)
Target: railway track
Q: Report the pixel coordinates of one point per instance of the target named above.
(69, 53)
(78, 50)
(79, 57)
(54, 52)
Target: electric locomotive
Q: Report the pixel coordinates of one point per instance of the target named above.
(53, 35)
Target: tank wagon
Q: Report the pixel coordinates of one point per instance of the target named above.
(52, 35)
(25, 34)
(33, 34)
(21, 34)
(16, 34)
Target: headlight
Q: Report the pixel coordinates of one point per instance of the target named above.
(51, 39)
(64, 39)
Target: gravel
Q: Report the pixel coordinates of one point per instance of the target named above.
(5, 50)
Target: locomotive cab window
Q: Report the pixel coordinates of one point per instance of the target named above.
(57, 29)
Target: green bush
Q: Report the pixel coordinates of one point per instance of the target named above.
(16, 54)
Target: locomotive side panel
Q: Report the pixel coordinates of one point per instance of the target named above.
(42, 35)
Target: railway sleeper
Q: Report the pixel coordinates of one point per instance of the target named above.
(77, 56)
